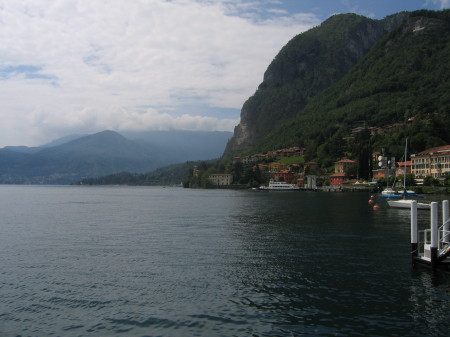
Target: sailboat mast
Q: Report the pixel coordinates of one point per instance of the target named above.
(404, 168)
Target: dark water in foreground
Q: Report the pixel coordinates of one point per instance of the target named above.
(123, 261)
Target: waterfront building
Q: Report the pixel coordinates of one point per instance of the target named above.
(221, 178)
(285, 175)
(337, 179)
(433, 162)
(341, 169)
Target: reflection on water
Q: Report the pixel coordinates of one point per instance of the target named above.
(329, 259)
(430, 296)
(174, 262)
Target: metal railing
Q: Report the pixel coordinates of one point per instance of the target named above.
(444, 241)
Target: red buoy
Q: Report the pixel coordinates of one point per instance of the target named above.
(376, 207)
(371, 201)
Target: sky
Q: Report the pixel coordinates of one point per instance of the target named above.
(84, 66)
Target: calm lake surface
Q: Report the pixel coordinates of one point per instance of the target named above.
(150, 261)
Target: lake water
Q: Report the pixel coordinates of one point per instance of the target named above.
(150, 261)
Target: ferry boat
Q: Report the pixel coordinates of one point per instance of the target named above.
(280, 186)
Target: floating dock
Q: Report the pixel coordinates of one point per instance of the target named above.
(431, 247)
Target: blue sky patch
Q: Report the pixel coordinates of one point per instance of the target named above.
(29, 71)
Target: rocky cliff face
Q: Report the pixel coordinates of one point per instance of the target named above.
(306, 66)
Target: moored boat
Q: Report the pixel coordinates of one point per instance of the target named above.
(406, 203)
(388, 191)
(407, 195)
(280, 186)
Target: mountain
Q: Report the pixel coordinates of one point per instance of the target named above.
(183, 145)
(307, 65)
(95, 155)
(63, 140)
(353, 71)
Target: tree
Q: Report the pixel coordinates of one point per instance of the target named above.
(409, 179)
(430, 181)
(237, 169)
(362, 153)
(447, 179)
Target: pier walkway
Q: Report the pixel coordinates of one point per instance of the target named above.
(431, 247)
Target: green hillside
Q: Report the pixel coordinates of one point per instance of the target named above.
(310, 63)
(404, 77)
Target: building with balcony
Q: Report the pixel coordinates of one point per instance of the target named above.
(433, 162)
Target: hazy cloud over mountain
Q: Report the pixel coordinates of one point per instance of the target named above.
(82, 66)
(76, 66)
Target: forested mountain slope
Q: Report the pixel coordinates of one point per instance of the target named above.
(353, 71)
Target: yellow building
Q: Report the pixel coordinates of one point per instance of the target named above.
(433, 162)
(343, 165)
(221, 178)
(275, 167)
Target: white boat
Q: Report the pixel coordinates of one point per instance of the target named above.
(280, 186)
(388, 191)
(406, 203)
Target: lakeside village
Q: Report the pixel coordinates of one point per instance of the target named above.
(427, 168)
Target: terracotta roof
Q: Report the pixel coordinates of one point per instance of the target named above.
(338, 175)
(346, 161)
(433, 150)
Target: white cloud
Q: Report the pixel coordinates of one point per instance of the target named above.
(88, 65)
(89, 119)
(442, 3)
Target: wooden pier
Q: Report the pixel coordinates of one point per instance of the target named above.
(431, 247)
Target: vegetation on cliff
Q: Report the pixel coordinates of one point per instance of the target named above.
(403, 77)
(310, 63)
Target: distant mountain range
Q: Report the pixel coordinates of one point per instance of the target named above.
(72, 158)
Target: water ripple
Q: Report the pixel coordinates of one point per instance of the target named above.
(137, 262)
